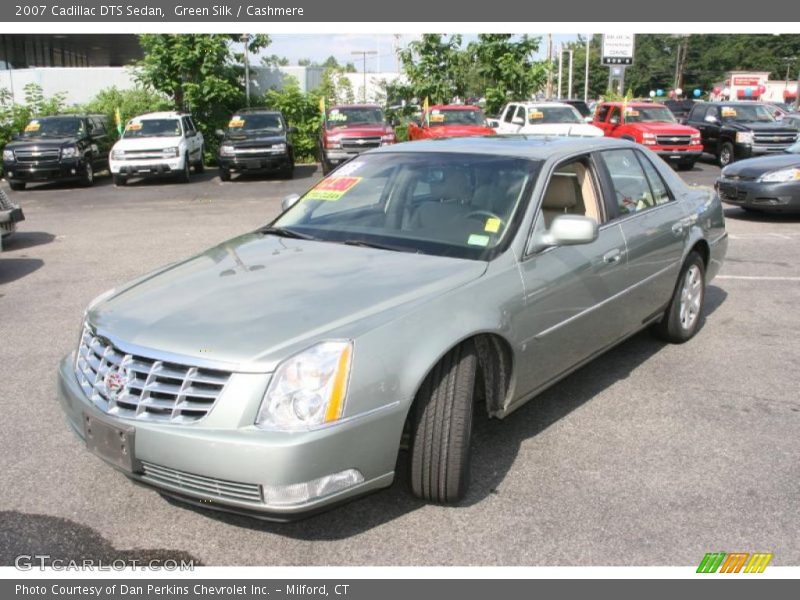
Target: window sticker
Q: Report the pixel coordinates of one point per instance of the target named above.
(33, 126)
(492, 225)
(335, 115)
(236, 121)
(478, 240)
(727, 111)
(332, 188)
(437, 118)
(535, 114)
(349, 168)
(631, 112)
(133, 126)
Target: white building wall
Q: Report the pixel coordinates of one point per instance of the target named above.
(80, 84)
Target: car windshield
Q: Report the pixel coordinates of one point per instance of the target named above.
(541, 115)
(746, 113)
(648, 114)
(53, 127)
(445, 204)
(255, 122)
(438, 117)
(152, 128)
(351, 116)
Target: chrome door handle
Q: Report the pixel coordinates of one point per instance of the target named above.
(613, 256)
(677, 228)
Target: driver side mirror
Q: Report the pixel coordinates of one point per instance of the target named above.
(614, 120)
(567, 230)
(711, 119)
(289, 201)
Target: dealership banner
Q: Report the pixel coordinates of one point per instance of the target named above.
(387, 589)
(265, 11)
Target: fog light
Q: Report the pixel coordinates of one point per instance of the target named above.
(300, 493)
(10, 173)
(72, 171)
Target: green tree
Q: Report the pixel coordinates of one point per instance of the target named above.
(301, 111)
(131, 102)
(336, 87)
(274, 61)
(434, 67)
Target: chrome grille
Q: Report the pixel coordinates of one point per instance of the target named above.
(137, 387)
(361, 143)
(673, 140)
(266, 149)
(144, 154)
(768, 139)
(37, 155)
(199, 484)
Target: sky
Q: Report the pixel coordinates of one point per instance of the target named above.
(341, 45)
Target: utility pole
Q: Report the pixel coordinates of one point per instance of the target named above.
(245, 39)
(560, 66)
(363, 54)
(586, 70)
(549, 89)
(569, 86)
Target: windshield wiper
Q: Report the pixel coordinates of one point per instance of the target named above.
(363, 244)
(287, 233)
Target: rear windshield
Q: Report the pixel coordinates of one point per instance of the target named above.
(152, 128)
(54, 127)
(438, 117)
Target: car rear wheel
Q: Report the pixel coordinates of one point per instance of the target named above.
(17, 186)
(726, 154)
(442, 428)
(684, 313)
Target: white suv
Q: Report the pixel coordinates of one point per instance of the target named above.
(160, 143)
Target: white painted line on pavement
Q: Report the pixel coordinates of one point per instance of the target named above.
(757, 278)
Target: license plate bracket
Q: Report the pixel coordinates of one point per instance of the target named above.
(113, 442)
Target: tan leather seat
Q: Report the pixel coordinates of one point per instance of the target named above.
(561, 197)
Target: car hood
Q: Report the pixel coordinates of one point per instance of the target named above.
(40, 142)
(147, 143)
(458, 131)
(358, 131)
(753, 167)
(773, 127)
(664, 128)
(256, 299)
(574, 129)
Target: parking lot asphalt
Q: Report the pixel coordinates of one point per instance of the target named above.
(650, 455)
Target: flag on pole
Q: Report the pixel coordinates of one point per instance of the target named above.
(322, 109)
(425, 114)
(118, 120)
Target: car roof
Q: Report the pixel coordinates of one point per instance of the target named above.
(356, 106)
(535, 147)
(256, 110)
(544, 104)
(166, 114)
(454, 107)
(638, 103)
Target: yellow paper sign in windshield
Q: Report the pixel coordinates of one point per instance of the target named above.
(631, 112)
(236, 122)
(437, 118)
(133, 126)
(492, 225)
(728, 112)
(32, 126)
(535, 114)
(332, 188)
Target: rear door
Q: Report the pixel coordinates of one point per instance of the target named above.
(655, 227)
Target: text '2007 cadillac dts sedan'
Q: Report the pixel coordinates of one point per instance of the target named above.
(275, 374)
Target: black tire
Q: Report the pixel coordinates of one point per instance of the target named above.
(186, 173)
(673, 327)
(17, 186)
(287, 172)
(87, 180)
(224, 175)
(442, 428)
(726, 155)
(326, 167)
(200, 166)
(686, 165)
(119, 180)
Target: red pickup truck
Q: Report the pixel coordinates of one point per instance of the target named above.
(349, 130)
(450, 120)
(652, 125)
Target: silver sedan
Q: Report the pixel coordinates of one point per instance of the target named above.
(412, 290)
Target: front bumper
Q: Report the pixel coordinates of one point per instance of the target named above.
(198, 462)
(749, 150)
(65, 169)
(758, 195)
(151, 167)
(254, 164)
(678, 153)
(338, 156)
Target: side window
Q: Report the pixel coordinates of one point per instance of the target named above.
(509, 113)
(98, 127)
(571, 190)
(614, 118)
(659, 189)
(187, 125)
(629, 182)
(699, 113)
(602, 113)
(521, 113)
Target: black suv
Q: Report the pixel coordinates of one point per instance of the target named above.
(63, 147)
(256, 140)
(735, 130)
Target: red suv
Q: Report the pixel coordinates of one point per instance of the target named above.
(652, 125)
(349, 130)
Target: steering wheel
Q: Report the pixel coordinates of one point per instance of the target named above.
(483, 213)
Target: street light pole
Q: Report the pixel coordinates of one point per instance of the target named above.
(245, 39)
(569, 86)
(560, 66)
(363, 54)
(586, 71)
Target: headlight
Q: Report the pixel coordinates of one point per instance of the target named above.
(782, 176)
(8, 155)
(278, 148)
(226, 150)
(69, 152)
(170, 152)
(744, 137)
(308, 389)
(388, 138)
(333, 143)
(118, 154)
(649, 138)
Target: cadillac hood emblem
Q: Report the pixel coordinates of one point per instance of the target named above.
(117, 381)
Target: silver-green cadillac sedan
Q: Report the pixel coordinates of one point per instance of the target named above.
(415, 288)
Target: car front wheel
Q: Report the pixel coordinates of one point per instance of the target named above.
(684, 313)
(442, 428)
(17, 186)
(726, 156)
(88, 175)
